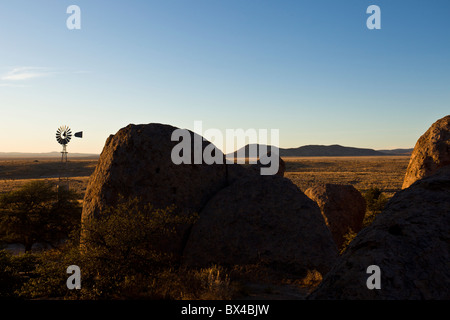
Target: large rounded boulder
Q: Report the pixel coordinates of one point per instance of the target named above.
(431, 152)
(342, 206)
(262, 220)
(137, 162)
(410, 244)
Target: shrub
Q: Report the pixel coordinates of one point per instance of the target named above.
(375, 199)
(38, 212)
(119, 257)
(348, 237)
(375, 202)
(49, 276)
(207, 284)
(123, 245)
(14, 272)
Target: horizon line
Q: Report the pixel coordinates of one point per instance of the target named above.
(306, 145)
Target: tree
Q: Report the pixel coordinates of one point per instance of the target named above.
(38, 212)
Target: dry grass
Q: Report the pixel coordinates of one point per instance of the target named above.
(16, 172)
(384, 172)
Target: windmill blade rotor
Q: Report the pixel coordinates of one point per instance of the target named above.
(63, 135)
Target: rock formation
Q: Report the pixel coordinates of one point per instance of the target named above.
(432, 151)
(136, 163)
(409, 241)
(261, 220)
(342, 206)
(244, 217)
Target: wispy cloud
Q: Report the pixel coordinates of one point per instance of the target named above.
(25, 73)
(12, 85)
(23, 76)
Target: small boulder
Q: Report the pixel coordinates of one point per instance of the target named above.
(342, 206)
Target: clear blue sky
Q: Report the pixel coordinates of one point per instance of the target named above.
(311, 69)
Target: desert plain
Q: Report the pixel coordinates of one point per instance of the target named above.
(383, 172)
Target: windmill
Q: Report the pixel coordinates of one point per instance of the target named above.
(63, 136)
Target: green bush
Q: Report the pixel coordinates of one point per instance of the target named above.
(119, 256)
(375, 202)
(123, 246)
(375, 199)
(14, 272)
(38, 212)
(49, 277)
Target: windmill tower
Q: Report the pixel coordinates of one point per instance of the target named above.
(63, 136)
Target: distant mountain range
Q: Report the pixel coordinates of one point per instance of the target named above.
(304, 151)
(54, 154)
(327, 151)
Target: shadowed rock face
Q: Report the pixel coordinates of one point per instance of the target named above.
(432, 151)
(136, 163)
(342, 206)
(261, 219)
(409, 241)
(237, 171)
